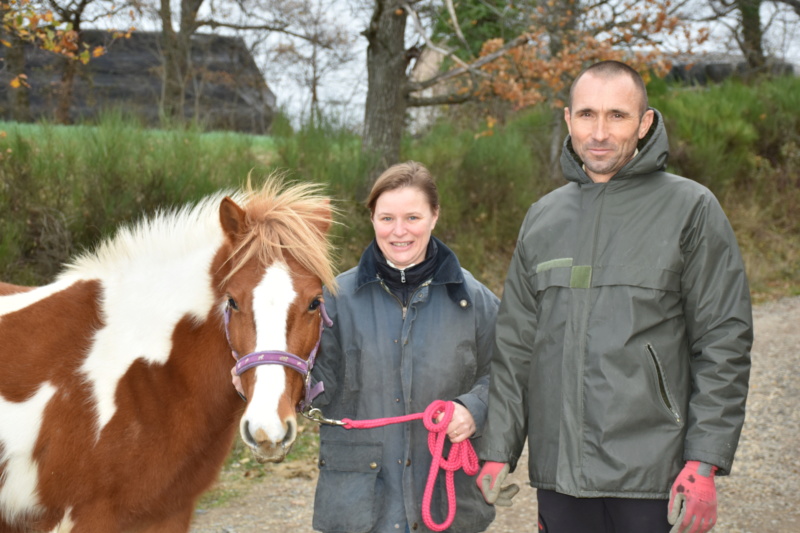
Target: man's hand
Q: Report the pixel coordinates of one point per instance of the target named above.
(693, 499)
(489, 480)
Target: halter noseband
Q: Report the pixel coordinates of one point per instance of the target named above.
(278, 357)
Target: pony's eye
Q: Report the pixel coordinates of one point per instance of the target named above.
(232, 304)
(315, 304)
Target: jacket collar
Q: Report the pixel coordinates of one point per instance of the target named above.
(447, 272)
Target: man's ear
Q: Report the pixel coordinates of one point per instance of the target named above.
(567, 120)
(646, 122)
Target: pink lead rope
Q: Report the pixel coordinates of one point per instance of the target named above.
(462, 455)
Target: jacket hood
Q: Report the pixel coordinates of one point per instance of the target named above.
(446, 272)
(652, 156)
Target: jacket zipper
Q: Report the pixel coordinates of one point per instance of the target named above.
(410, 299)
(662, 384)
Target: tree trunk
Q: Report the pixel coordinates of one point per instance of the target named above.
(386, 104)
(751, 41)
(177, 47)
(556, 142)
(561, 23)
(65, 90)
(19, 99)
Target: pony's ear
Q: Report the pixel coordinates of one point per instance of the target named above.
(232, 218)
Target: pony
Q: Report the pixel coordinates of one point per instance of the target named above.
(116, 405)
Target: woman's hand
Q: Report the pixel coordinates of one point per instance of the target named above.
(236, 380)
(462, 425)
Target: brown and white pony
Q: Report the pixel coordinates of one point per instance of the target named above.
(116, 404)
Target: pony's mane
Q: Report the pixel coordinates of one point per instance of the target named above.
(167, 235)
(287, 219)
(279, 219)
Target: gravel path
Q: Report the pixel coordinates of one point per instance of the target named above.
(761, 495)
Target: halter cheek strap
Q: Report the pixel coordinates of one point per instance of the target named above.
(278, 357)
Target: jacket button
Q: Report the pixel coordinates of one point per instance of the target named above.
(373, 465)
(322, 462)
(408, 462)
(463, 303)
(415, 526)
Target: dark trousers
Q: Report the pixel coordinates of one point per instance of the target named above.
(559, 513)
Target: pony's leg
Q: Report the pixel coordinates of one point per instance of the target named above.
(178, 522)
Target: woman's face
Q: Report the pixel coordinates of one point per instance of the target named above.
(403, 222)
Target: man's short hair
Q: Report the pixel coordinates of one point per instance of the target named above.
(610, 69)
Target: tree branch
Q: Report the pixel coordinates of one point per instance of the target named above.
(456, 26)
(794, 4)
(421, 85)
(442, 99)
(418, 25)
(281, 28)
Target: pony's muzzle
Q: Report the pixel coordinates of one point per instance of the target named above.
(266, 448)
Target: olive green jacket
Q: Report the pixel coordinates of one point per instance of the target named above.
(623, 337)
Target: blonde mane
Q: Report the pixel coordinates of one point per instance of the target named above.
(283, 218)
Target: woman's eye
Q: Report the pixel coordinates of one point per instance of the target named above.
(232, 304)
(315, 304)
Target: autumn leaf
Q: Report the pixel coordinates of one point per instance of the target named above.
(19, 81)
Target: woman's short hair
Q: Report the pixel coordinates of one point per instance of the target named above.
(408, 174)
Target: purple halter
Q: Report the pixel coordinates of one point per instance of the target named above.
(278, 357)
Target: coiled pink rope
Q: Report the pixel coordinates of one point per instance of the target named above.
(462, 454)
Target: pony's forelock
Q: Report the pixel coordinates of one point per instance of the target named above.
(283, 218)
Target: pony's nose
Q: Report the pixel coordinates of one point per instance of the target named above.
(261, 437)
(247, 437)
(291, 432)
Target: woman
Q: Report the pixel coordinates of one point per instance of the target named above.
(410, 327)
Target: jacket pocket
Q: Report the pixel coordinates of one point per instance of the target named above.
(667, 398)
(348, 495)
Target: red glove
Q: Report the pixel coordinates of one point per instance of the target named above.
(489, 479)
(693, 499)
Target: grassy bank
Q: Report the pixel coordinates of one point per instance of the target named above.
(63, 188)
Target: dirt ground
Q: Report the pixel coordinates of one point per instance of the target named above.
(760, 496)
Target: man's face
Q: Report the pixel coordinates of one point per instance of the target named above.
(604, 123)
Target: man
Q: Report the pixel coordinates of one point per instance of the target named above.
(623, 338)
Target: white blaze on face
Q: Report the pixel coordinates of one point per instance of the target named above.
(271, 300)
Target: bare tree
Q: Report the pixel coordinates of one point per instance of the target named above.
(745, 22)
(536, 65)
(287, 17)
(390, 87)
(310, 63)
